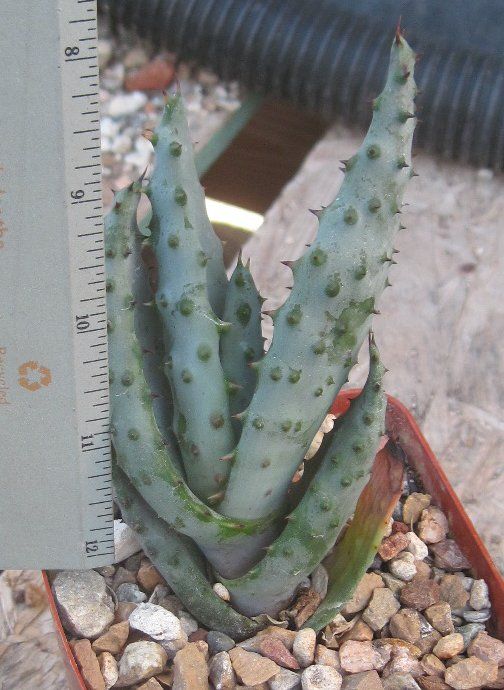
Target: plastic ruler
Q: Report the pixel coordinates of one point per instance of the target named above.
(56, 506)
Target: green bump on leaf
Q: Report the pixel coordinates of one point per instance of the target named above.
(346, 481)
(294, 315)
(173, 241)
(186, 376)
(266, 463)
(163, 302)
(133, 434)
(239, 280)
(145, 478)
(180, 196)
(361, 269)
(297, 426)
(333, 286)
(217, 420)
(286, 426)
(325, 504)
(351, 162)
(401, 163)
(258, 423)
(204, 352)
(318, 257)
(319, 347)
(127, 378)
(175, 149)
(202, 259)
(110, 253)
(374, 204)
(318, 392)
(294, 375)
(373, 151)
(330, 381)
(368, 418)
(276, 374)
(243, 313)
(110, 285)
(249, 354)
(350, 216)
(186, 306)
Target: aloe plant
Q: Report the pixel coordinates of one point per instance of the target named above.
(208, 430)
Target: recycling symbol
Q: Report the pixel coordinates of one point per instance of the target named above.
(32, 376)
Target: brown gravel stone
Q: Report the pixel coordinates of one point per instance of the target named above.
(356, 657)
(413, 507)
(109, 669)
(285, 636)
(393, 545)
(471, 673)
(368, 680)
(487, 648)
(499, 683)
(420, 593)
(405, 625)
(155, 75)
(306, 605)
(402, 662)
(252, 668)
(400, 527)
(380, 609)
(148, 576)
(121, 576)
(87, 662)
(453, 592)
(221, 672)
(360, 632)
(423, 570)
(190, 670)
(113, 640)
(151, 684)
(432, 683)
(362, 594)
(433, 525)
(197, 635)
(427, 642)
(123, 611)
(432, 665)
(394, 642)
(327, 657)
(439, 616)
(449, 646)
(274, 649)
(447, 555)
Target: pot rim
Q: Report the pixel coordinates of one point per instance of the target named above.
(403, 430)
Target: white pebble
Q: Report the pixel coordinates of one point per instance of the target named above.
(221, 591)
(125, 541)
(303, 647)
(479, 598)
(417, 547)
(403, 567)
(161, 625)
(319, 677)
(126, 104)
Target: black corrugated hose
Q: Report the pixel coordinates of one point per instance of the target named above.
(330, 56)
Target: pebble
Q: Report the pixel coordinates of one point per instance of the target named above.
(252, 668)
(161, 625)
(304, 646)
(433, 525)
(420, 594)
(221, 591)
(449, 646)
(319, 677)
(453, 592)
(479, 598)
(400, 681)
(129, 591)
(356, 657)
(219, 642)
(368, 680)
(109, 669)
(285, 680)
(190, 670)
(85, 607)
(360, 632)
(125, 539)
(140, 661)
(87, 662)
(380, 609)
(432, 683)
(113, 640)
(151, 684)
(125, 104)
(188, 623)
(471, 673)
(155, 75)
(388, 644)
(274, 649)
(428, 641)
(469, 632)
(393, 545)
(132, 562)
(413, 507)
(158, 594)
(432, 665)
(402, 662)
(121, 576)
(487, 648)
(140, 157)
(448, 556)
(393, 583)
(362, 594)
(405, 625)
(148, 576)
(403, 566)
(439, 616)
(327, 657)
(319, 580)
(221, 672)
(123, 611)
(416, 546)
(423, 569)
(476, 616)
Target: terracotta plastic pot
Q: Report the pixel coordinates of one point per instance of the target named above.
(403, 429)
